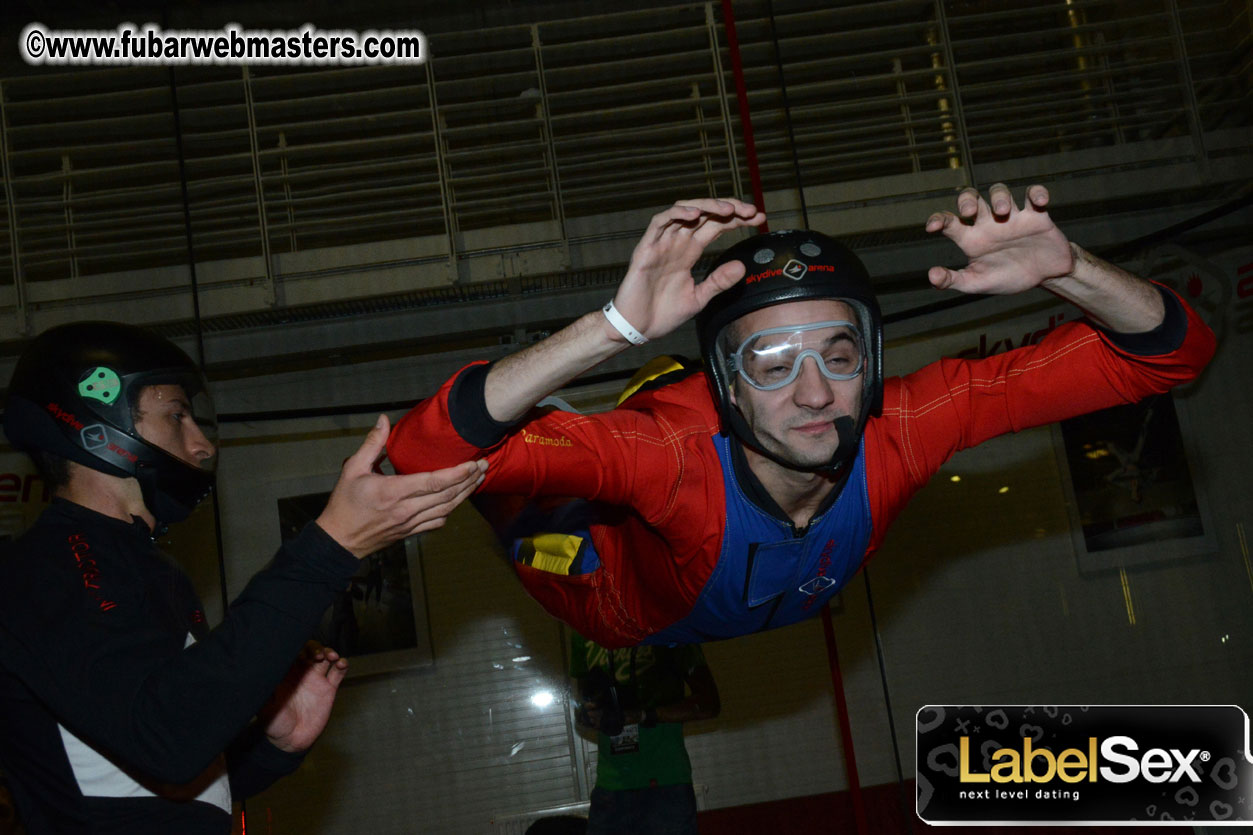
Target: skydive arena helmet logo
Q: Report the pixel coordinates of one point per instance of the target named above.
(94, 436)
(1084, 764)
(795, 270)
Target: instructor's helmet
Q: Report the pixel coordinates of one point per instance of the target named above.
(790, 266)
(74, 392)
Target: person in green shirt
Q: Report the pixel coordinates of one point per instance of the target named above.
(637, 700)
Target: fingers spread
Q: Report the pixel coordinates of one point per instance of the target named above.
(949, 224)
(968, 203)
(946, 221)
(1037, 196)
(1002, 202)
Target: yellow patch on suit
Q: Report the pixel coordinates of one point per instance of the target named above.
(651, 370)
(551, 552)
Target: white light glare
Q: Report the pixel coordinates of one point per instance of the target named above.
(543, 698)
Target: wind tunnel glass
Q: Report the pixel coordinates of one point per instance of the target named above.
(770, 359)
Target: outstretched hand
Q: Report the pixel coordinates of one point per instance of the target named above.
(368, 510)
(298, 711)
(1010, 249)
(658, 293)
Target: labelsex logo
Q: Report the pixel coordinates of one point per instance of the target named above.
(1039, 765)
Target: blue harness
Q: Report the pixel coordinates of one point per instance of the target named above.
(766, 575)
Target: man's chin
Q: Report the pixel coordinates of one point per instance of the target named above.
(807, 457)
(811, 462)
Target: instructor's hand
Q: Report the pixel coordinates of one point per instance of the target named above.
(368, 510)
(659, 294)
(298, 711)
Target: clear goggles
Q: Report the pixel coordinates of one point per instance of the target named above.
(771, 359)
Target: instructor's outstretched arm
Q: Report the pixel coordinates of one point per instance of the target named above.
(657, 295)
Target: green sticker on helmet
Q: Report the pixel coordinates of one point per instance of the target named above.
(101, 384)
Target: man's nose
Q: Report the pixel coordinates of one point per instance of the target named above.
(811, 389)
(198, 444)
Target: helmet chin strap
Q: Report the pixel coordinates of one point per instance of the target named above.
(171, 494)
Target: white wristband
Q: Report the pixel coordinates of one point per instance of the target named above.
(622, 326)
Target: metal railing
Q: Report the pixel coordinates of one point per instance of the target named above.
(551, 128)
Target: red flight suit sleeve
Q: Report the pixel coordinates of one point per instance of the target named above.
(629, 457)
(953, 404)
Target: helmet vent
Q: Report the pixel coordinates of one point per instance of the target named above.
(102, 384)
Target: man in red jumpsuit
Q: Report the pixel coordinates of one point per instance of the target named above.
(720, 503)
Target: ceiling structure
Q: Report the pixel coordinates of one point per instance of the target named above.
(471, 204)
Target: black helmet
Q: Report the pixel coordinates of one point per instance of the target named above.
(789, 266)
(73, 394)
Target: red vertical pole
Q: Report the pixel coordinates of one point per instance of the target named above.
(846, 730)
(746, 119)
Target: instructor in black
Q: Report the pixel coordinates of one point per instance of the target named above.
(120, 710)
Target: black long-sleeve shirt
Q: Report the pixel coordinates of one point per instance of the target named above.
(117, 704)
